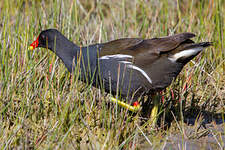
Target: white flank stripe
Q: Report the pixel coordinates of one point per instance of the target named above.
(129, 64)
(116, 56)
(142, 71)
(125, 62)
(185, 53)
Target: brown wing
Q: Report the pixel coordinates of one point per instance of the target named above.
(144, 51)
(120, 46)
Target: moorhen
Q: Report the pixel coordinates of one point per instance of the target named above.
(130, 67)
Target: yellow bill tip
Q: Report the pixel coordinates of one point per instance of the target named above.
(31, 48)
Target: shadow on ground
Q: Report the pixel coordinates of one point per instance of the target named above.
(199, 130)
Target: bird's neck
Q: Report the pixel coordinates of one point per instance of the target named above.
(67, 52)
(78, 58)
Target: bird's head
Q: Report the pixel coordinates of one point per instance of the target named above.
(46, 39)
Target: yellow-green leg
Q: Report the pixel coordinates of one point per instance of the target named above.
(155, 109)
(125, 105)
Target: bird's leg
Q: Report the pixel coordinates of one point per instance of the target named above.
(136, 106)
(155, 109)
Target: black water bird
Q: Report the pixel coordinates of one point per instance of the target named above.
(131, 66)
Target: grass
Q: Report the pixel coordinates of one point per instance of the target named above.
(43, 109)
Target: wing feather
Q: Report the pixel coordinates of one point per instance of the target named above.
(145, 51)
